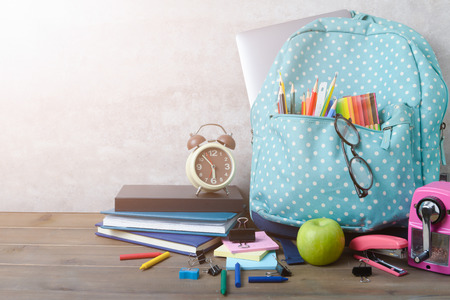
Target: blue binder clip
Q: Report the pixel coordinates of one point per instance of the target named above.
(188, 273)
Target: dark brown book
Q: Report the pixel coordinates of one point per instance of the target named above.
(177, 198)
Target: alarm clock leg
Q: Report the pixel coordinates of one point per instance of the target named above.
(226, 191)
(198, 191)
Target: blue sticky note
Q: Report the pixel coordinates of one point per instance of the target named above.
(268, 262)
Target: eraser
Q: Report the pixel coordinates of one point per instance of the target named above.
(187, 273)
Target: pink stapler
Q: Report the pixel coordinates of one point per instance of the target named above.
(381, 244)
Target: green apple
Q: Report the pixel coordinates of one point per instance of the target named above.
(320, 241)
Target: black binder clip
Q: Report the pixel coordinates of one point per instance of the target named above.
(242, 234)
(363, 271)
(197, 259)
(282, 270)
(214, 270)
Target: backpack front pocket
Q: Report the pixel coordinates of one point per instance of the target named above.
(300, 172)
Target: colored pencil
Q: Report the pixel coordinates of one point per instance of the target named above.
(292, 99)
(326, 106)
(313, 100)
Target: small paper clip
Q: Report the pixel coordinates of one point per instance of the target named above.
(242, 235)
(197, 259)
(363, 271)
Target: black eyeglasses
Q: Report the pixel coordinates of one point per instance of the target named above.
(359, 170)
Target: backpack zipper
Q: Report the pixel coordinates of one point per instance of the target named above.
(385, 142)
(441, 144)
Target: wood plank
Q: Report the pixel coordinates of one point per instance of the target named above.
(164, 281)
(56, 256)
(58, 220)
(81, 255)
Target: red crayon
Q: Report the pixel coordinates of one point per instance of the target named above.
(139, 255)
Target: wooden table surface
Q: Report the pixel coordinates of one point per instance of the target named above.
(58, 256)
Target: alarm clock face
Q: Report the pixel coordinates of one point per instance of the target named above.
(214, 166)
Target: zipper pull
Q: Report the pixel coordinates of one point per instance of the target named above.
(385, 143)
(441, 144)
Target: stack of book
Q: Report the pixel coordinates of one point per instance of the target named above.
(172, 218)
(257, 255)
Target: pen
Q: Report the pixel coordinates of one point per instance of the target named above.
(154, 261)
(223, 282)
(237, 275)
(320, 99)
(139, 255)
(255, 279)
(282, 109)
(292, 99)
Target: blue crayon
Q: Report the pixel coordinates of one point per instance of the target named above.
(266, 279)
(237, 275)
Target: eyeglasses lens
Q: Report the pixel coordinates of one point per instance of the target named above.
(361, 172)
(347, 131)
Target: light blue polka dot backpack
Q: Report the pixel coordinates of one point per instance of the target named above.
(306, 167)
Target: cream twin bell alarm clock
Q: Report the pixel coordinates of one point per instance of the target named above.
(211, 166)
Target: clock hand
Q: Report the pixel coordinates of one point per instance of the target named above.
(209, 176)
(213, 169)
(209, 162)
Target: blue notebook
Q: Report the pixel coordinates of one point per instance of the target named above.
(180, 243)
(168, 231)
(199, 223)
(197, 216)
(268, 262)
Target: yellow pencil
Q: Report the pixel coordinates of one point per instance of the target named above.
(282, 83)
(154, 261)
(328, 98)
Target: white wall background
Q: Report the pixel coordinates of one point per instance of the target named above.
(95, 94)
